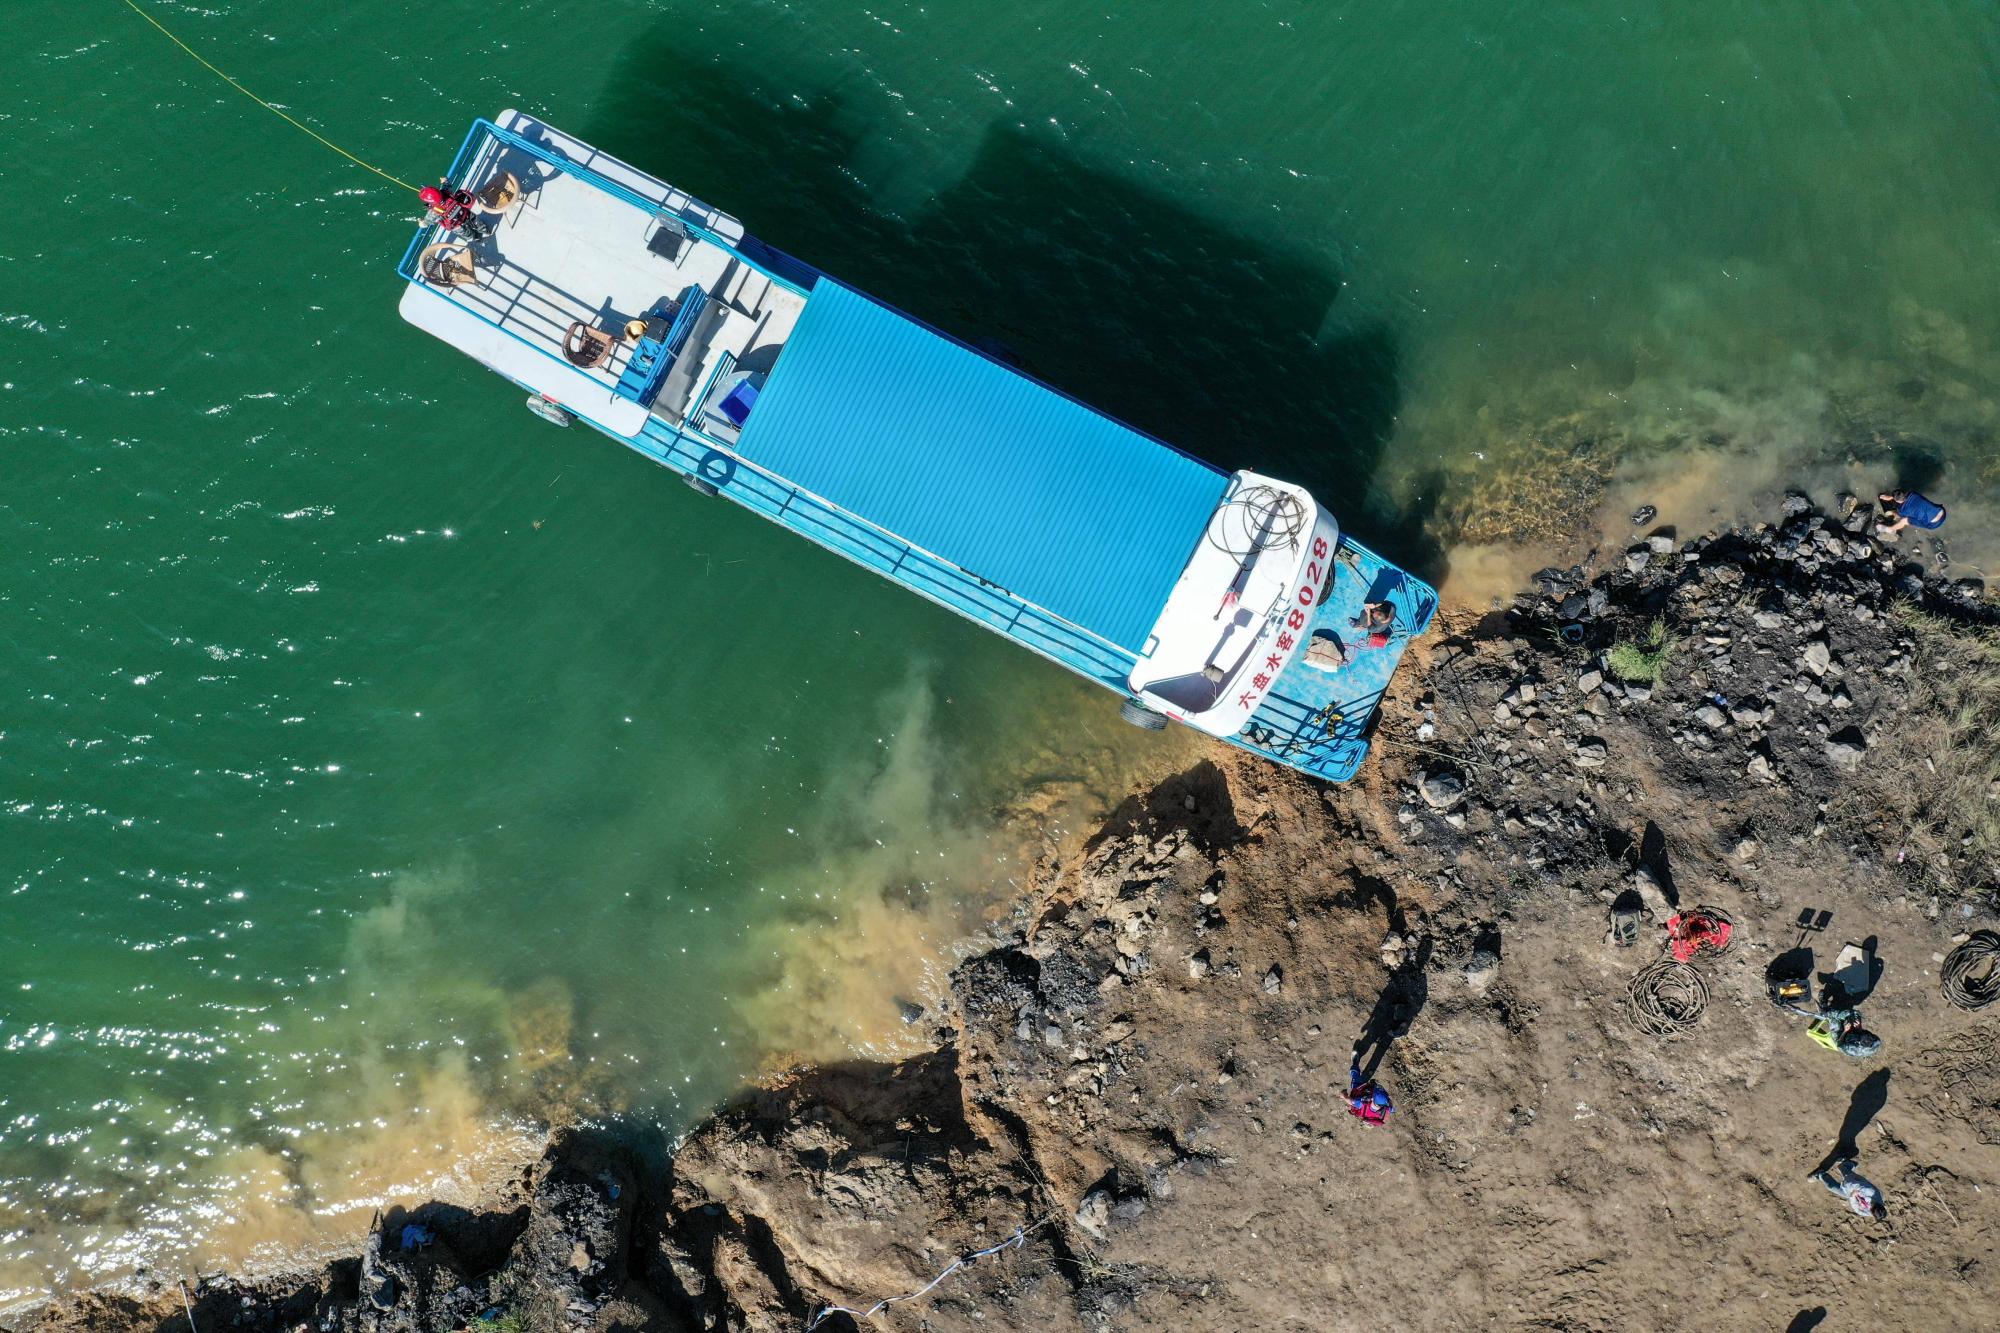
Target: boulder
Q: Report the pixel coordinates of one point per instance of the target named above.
(1711, 717)
(1845, 748)
(1749, 713)
(1647, 885)
(1442, 791)
(1556, 582)
(1590, 752)
(1094, 1213)
(1818, 656)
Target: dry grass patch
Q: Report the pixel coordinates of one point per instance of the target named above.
(1938, 776)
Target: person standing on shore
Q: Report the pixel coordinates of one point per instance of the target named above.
(1365, 1101)
(1903, 509)
(1858, 1192)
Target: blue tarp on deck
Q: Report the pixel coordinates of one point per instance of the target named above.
(976, 463)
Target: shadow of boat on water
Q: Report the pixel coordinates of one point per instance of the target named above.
(1216, 340)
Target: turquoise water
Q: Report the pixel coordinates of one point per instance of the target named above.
(381, 769)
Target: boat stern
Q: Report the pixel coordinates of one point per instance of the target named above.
(1241, 610)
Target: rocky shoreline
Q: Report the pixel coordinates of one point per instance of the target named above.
(1133, 1108)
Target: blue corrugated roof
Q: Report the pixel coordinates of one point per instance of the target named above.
(972, 461)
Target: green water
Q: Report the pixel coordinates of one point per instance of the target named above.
(380, 768)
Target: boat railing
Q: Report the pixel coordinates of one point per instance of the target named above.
(521, 297)
(651, 207)
(482, 139)
(929, 575)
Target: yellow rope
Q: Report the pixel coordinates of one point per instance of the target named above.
(393, 180)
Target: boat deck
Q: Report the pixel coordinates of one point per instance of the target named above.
(1320, 720)
(588, 240)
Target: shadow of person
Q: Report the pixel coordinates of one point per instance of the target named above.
(1805, 1321)
(1206, 332)
(1401, 1000)
(1917, 467)
(1853, 979)
(1653, 856)
(1795, 964)
(1869, 1097)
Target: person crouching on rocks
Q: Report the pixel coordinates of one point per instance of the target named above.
(1903, 509)
(1365, 1101)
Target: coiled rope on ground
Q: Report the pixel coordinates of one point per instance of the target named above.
(1971, 975)
(1668, 998)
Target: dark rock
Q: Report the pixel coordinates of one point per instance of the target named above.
(1129, 1209)
(579, 1228)
(1554, 582)
(1643, 515)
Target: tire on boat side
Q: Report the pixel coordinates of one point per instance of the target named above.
(1141, 716)
(702, 484)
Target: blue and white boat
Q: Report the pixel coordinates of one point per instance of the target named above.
(1231, 602)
